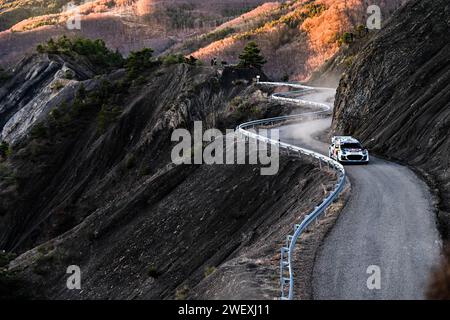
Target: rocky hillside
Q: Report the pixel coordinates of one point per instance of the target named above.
(86, 179)
(174, 13)
(296, 36)
(396, 95)
(125, 25)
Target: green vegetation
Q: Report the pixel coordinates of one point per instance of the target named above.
(315, 9)
(9, 282)
(69, 74)
(173, 59)
(217, 34)
(94, 50)
(251, 56)
(39, 131)
(44, 263)
(209, 270)
(142, 60)
(5, 150)
(153, 272)
(182, 293)
(5, 258)
(106, 116)
(346, 38)
(348, 61)
(243, 108)
(236, 101)
(248, 109)
(179, 58)
(66, 120)
(139, 61)
(361, 30)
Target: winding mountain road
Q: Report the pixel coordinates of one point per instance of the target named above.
(388, 222)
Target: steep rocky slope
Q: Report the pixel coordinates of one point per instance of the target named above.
(331, 71)
(87, 180)
(396, 95)
(296, 36)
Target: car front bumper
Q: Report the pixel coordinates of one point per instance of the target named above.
(354, 158)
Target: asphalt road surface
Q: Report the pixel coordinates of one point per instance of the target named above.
(388, 223)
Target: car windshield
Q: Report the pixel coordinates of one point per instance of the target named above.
(351, 146)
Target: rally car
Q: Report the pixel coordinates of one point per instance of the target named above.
(347, 150)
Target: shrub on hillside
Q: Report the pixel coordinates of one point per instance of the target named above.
(251, 56)
(94, 50)
(173, 59)
(139, 61)
(106, 116)
(5, 150)
(179, 58)
(346, 38)
(10, 284)
(314, 9)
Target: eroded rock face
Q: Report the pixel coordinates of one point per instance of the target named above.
(39, 83)
(396, 95)
(95, 185)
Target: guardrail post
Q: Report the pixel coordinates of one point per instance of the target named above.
(288, 240)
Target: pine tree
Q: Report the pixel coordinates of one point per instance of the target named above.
(251, 56)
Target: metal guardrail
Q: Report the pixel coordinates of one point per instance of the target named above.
(286, 266)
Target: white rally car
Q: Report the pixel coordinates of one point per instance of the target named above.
(347, 150)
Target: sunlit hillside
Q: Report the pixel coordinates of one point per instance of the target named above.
(296, 36)
(173, 13)
(124, 24)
